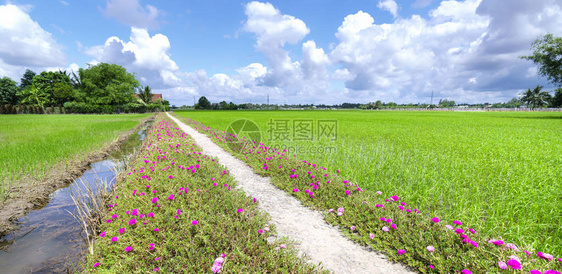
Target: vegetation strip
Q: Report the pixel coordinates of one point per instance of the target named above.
(30, 188)
(385, 221)
(177, 211)
(322, 242)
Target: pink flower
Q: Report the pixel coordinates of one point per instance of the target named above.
(171, 197)
(457, 222)
(114, 239)
(431, 266)
(475, 244)
(157, 258)
(449, 227)
(340, 209)
(466, 271)
(122, 230)
(379, 192)
(113, 216)
(154, 200)
(156, 229)
(151, 246)
(551, 272)
(435, 219)
(394, 198)
(133, 221)
(178, 211)
(459, 231)
(352, 228)
(96, 264)
(401, 251)
(498, 242)
(135, 212)
(194, 222)
(216, 268)
(545, 256)
(385, 229)
(502, 265)
(151, 214)
(282, 246)
(533, 271)
(471, 230)
(260, 231)
(240, 210)
(430, 248)
(371, 236)
(128, 248)
(515, 264)
(102, 234)
(393, 226)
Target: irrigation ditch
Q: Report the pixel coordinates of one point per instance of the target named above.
(43, 232)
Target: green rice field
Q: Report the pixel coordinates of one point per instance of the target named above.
(498, 171)
(30, 145)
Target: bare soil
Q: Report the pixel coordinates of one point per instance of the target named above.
(31, 194)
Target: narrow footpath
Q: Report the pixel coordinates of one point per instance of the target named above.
(321, 242)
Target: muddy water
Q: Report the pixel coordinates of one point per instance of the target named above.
(49, 240)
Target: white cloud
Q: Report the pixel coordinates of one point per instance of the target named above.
(131, 13)
(23, 43)
(147, 56)
(464, 48)
(390, 6)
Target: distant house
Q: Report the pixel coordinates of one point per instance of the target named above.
(154, 96)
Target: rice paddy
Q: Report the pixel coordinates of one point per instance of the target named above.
(499, 172)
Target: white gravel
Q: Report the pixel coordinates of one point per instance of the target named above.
(320, 241)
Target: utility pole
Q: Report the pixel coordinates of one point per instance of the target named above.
(431, 98)
(267, 100)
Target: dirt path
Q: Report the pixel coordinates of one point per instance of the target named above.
(322, 242)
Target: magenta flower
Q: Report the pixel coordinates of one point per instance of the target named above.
(113, 216)
(102, 234)
(128, 248)
(151, 214)
(515, 264)
(122, 230)
(171, 197)
(430, 248)
(151, 246)
(394, 198)
(156, 229)
(135, 212)
(133, 221)
(114, 239)
(466, 271)
(347, 192)
(459, 231)
(551, 272)
(545, 256)
(178, 211)
(471, 230)
(260, 231)
(475, 244)
(393, 226)
(457, 222)
(194, 222)
(154, 200)
(498, 242)
(96, 264)
(502, 265)
(435, 219)
(533, 271)
(401, 251)
(431, 266)
(240, 210)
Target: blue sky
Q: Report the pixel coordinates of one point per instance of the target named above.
(296, 51)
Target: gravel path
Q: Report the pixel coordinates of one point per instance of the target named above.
(322, 242)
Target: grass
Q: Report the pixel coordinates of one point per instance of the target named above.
(472, 167)
(177, 211)
(31, 145)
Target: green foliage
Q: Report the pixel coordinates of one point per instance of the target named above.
(8, 91)
(227, 106)
(203, 103)
(56, 84)
(557, 99)
(145, 94)
(34, 95)
(547, 54)
(106, 84)
(27, 78)
(536, 97)
(446, 103)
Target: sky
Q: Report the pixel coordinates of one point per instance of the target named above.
(306, 51)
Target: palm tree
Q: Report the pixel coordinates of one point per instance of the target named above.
(33, 94)
(536, 97)
(145, 94)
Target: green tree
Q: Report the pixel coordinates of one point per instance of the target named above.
(547, 54)
(536, 97)
(557, 99)
(56, 84)
(34, 95)
(446, 103)
(106, 84)
(203, 103)
(145, 94)
(513, 103)
(8, 91)
(27, 78)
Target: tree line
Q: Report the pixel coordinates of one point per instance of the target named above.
(101, 88)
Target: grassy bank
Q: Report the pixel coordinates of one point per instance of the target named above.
(422, 235)
(30, 145)
(177, 211)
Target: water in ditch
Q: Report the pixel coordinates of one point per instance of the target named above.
(50, 240)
